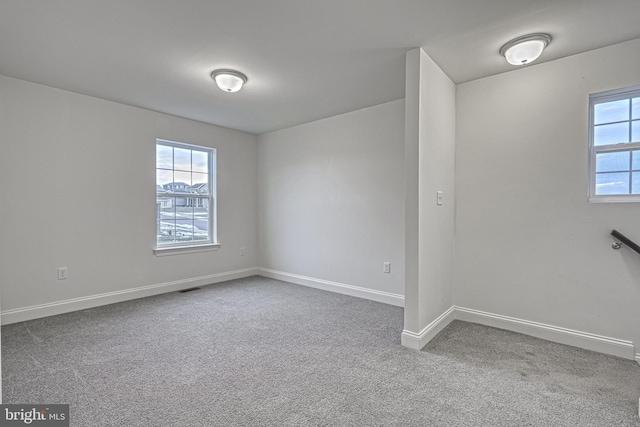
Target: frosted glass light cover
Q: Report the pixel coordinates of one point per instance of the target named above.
(229, 83)
(229, 80)
(526, 49)
(525, 52)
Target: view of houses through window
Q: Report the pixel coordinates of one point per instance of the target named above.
(184, 183)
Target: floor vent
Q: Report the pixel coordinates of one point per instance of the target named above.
(188, 290)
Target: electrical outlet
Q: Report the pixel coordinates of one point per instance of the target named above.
(386, 267)
(241, 251)
(63, 273)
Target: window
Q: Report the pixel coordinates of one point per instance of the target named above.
(185, 195)
(614, 143)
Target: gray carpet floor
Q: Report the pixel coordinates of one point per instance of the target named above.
(260, 352)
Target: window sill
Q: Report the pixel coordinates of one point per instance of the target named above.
(180, 250)
(614, 199)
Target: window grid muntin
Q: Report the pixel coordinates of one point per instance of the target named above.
(632, 94)
(207, 196)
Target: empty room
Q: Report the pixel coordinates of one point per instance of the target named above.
(320, 213)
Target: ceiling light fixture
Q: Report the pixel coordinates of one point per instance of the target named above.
(229, 80)
(526, 49)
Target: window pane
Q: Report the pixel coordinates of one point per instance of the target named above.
(163, 177)
(164, 157)
(636, 108)
(184, 230)
(635, 178)
(200, 161)
(166, 219)
(199, 178)
(182, 181)
(612, 183)
(182, 159)
(614, 111)
(636, 160)
(184, 220)
(201, 219)
(610, 162)
(611, 134)
(635, 131)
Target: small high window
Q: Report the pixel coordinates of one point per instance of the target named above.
(614, 142)
(185, 195)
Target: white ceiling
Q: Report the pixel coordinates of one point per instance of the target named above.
(305, 59)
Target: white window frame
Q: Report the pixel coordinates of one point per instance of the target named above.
(599, 98)
(201, 245)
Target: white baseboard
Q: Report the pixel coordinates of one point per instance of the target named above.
(585, 340)
(82, 303)
(601, 344)
(418, 340)
(341, 288)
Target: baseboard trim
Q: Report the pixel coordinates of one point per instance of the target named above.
(417, 341)
(341, 288)
(585, 340)
(601, 344)
(82, 303)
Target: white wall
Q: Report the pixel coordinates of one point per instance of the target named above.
(332, 205)
(528, 244)
(429, 167)
(78, 190)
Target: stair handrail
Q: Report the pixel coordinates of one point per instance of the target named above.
(624, 240)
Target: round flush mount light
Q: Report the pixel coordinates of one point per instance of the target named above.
(229, 80)
(526, 49)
